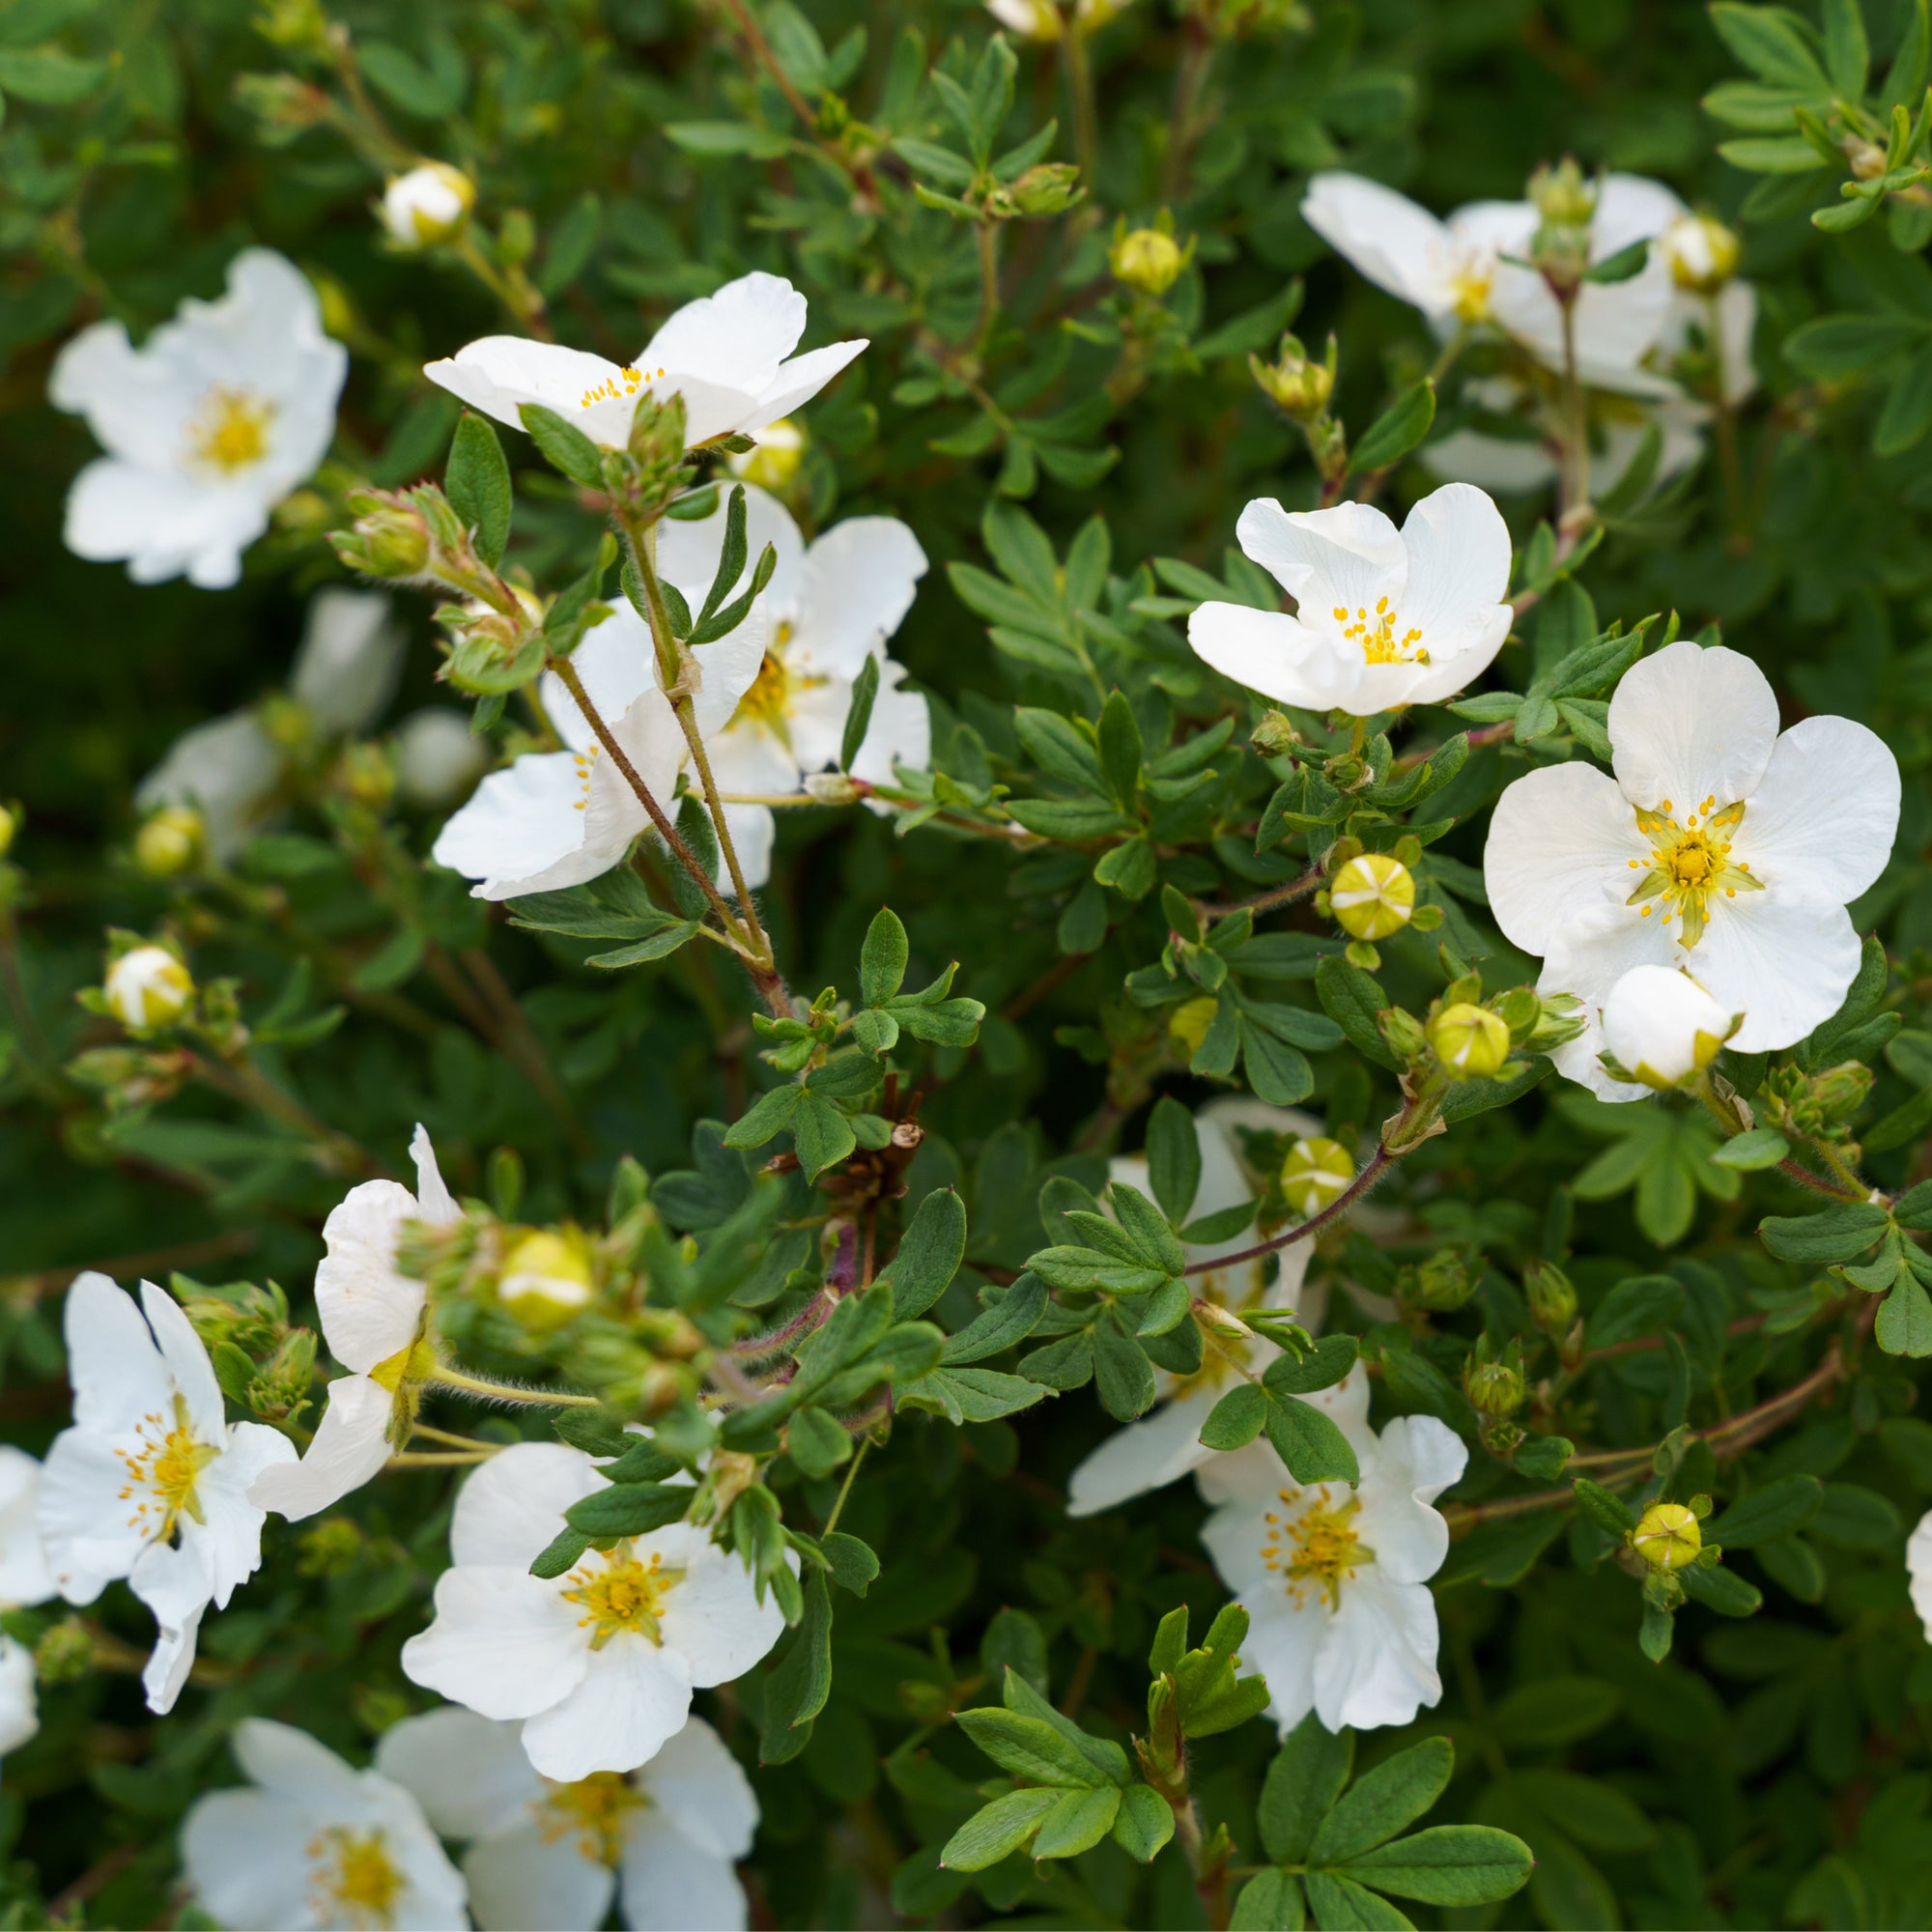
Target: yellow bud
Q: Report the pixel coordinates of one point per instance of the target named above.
(147, 988)
(1315, 1172)
(10, 823)
(427, 205)
(170, 842)
(1372, 895)
(1669, 1537)
(1703, 253)
(1187, 1025)
(546, 1278)
(773, 462)
(1145, 259)
(1470, 1041)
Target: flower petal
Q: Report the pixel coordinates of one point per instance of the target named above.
(1918, 1570)
(1690, 723)
(521, 830)
(246, 1856)
(1349, 554)
(19, 1706)
(1459, 568)
(1377, 1663)
(666, 1883)
(232, 1519)
(1588, 960)
(1146, 1455)
(860, 581)
(368, 1310)
(1560, 844)
(350, 1445)
(187, 1363)
(617, 662)
(634, 1696)
(1783, 960)
(289, 1763)
(1278, 656)
(513, 1505)
(753, 829)
(433, 1200)
(1396, 242)
(84, 1524)
(697, 1786)
(350, 657)
(735, 338)
(713, 1615)
(497, 374)
(900, 732)
(504, 1642)
(1414, 1459)
(519, 1881)
(798, 380)
(24, 1576)
(1282, 1644)
(172, 1579)
(116, 1369)
(1824, 816)
(468, 1773)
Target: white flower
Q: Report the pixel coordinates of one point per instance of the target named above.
(208, 426)
(427, 205)
(1166, 1444)
(829, 606)
(603, 1660)
(152, 1480)
(438, 758)
(1384, 616)
(24, 1579)
(1719, 846)
(372, 1319)
(350, 657)
(772, 462)
(1661, 1026)
(148, 986)
(1337, 1580)
(228, 771)
(311, 1842)
(725, 354)
(1454, 271)
(552, 819)
(1044, 20)
(20, 1702)
(1918, 1570)
(665, 1839)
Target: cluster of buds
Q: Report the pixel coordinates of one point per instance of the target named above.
(1371, 896)
(1815, 1106)
(1149, 260)
(261, 1362)
(128, 1078)
(1566, 205)
(1552, 1307)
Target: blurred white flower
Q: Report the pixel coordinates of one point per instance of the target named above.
(664, 1840)
(148, 986)
(427, 205)
(829, 605)
(552, 819)
(19, 1701)
(1719, 846)
(772, 462)
(1336, 1580)
(24, 1581)
(602, 1660)
(1384, 616)
(350, 659)
(1045, 21)
(1918, 1571)
(207, 426)
(726, 354)
(228, 771)
(1166, 1443)
(372, 1319)
(152, 1480)
(311, 1843)
(1663, 1027)
(438, 758)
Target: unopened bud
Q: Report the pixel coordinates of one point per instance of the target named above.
(147, 988)
(1403, 1032)
(1663, 1028)
(1274, 737)
(1223, 1320)
(1372, 895)
(300, 26)
(390, 539)
(772, 462)
(283, 1384)
(171, 842)
(1669, 1536)
(1298, 385)
(1563, 195)
(365, 773)
(1561, 1019)
(429, 204)
(657, 442)
(834, 789)
(1470, 1042)
(546, 1278)
(1189, 1023)
(329, 1547)
(1442, 1284)
(1553, 1299)
(1495, 1388)
(1315, 1171)
(64, 1653)
(1840, 1090)
(1049, 189)
(1703, 253)
(1148, 259)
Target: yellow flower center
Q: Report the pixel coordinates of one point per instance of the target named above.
(1469, 291)
(586, 765)
(354, 1880)
(1316, 1550)
(595, 1811)
(1376, 631)
(775, 690)
(619, 1593)
(1687, 863)
(627, 382)
(162, 1472)
(230, 431)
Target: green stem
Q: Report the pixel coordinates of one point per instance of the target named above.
(1080, 84)
(444, 1377)
(845, 1487)
(1576, 467)
(989, 284)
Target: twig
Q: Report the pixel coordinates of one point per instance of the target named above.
(1378, 1164)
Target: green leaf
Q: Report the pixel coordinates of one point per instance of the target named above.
(1396, 431)
(853, 1565)
(1236, 1419)
(49, 78)
(1120, 749)
(1766, 41)
(1835, 1235)
(478, 482)
(1721, 1590)
(1905, 1318)
(1838, 346)
(1384, 1801)
(1308, 1441)
(1272, 1901)
(1756, 1149)
(1173, 1157)
(1303, 1781)
(1907, 413)
(1146, 1823)
(1123, 1375)
(1029, 1748)
(1847, 51)
(796, 1690)
(1447, 1864)
(630, 1509)
(559, 1555)
(1776, 1510)
(882, 960)
(1352, 999)
(859, 714)
(1078, 1823)
(1340, 1905)
(1554, 1711)
(1001, 1828)
(1010, 1319)
(563, 445)
(816, 1442)
(1326, 1365)
(1626, 263)
(929, 1254)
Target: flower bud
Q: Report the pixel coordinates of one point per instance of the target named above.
(1562, 194)
(147, 987)
(1442, 1284)
(329, 1547)
(1189, 1023)
(171, 842)
(835, 788)
(1145, 259)
(1274, 737)
(1315, 1171)
(1553, 1300)
(1562, 1018)
(1663, 1028)
(1403, 1030)
(283, 1384)
(1669, 1537)
(300, 26)
(9, 824)
(438, 757)
(1372, 895)
(284, 105)
(1470, 1041)
(546, 1278)
(1495, 1388)
(365, 773)
(1703, 253)
(429, 204)
(1839, 1092)
(1298, 385)
(772, 462)
(1030, 20)
(390, 539)
(64, 1653)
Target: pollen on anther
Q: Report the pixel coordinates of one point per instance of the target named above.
(1341, 612)
(1667, 806)
(1645, 913)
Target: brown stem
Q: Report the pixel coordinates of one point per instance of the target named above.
(1051, 980)
(1275, 896)
(1488, 735)
(1806, 1178)
(1378, 1164)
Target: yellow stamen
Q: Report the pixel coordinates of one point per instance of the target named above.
(353, 1879)
(1316, 1550)
(619, 1593)
(230, 428)
(162, 1472)
(595, 1811)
